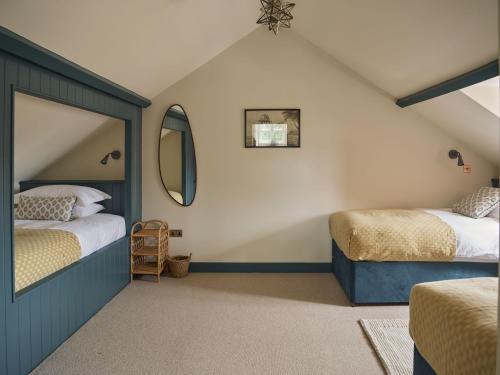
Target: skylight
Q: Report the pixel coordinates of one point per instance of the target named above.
(486, 94)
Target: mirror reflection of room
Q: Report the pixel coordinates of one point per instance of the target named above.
(177, 156)
(57, 221)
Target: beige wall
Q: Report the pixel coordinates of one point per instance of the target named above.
(44, 131)
(358, 150)
(171, 160)
(83, 162)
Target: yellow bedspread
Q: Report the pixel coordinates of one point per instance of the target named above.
(392, 235)
(41, 252)
(454, 325)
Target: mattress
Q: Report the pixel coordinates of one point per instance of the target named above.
(93, 232)
(393, 235)
(453, 324)
(390, 235)
(477, 239)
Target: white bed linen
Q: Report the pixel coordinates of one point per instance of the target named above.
(477, 239)
(94, 231)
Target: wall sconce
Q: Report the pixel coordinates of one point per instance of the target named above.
(454, 154)
(114, 155)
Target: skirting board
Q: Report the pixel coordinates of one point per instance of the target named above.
(261, 267)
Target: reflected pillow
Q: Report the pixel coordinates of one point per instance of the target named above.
(45, 208)
(478, 204)
(84, 195)
(91, 209)
(495, 213)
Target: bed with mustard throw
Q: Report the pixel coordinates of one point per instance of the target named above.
(42, 252)
(378, 255)
(453, 324)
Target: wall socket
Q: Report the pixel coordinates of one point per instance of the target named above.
(467, 168)
(175, 232)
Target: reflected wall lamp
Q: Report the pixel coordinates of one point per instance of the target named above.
(114, 155)
(454, 154)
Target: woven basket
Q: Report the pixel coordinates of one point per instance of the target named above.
(178, 266)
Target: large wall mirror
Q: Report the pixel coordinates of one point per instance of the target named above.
(55, 142)
(177, 158)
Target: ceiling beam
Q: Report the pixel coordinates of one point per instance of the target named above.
(477, 75)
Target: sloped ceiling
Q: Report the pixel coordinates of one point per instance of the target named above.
(404, 46)
(44, 131)
(144, 45)
(398, 46)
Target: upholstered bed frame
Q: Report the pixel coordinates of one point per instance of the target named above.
(391, 282)
(37, 320)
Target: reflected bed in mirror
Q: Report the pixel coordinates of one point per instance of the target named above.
(176, 154)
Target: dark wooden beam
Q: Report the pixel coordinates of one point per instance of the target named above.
(480, 74)
(15, 44)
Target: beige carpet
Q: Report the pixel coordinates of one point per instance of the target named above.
(225, 324)
(392, 342)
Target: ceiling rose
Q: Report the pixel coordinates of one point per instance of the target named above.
(276, 14)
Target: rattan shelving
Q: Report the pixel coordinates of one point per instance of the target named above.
(149, 248)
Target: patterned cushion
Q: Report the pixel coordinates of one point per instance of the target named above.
(478, 204)
(45, 208)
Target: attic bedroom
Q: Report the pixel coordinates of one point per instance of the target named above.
(251, 187)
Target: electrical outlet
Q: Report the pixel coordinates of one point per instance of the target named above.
(467, 168)
(175, 232)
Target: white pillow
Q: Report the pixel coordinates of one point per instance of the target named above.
(91, 209)
(495, 213)
(84, 195)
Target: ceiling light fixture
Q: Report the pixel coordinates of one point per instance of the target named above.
(276, 14)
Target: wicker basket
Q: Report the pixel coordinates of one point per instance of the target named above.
(178, 266)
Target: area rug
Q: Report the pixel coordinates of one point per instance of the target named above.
(392, 342)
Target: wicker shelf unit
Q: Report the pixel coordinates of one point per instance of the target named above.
(149, 248)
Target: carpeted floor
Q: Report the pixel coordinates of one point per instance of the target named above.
(225, 324)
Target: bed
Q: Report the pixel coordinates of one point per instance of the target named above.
(453, 324)
(378, 255)
(44, 247)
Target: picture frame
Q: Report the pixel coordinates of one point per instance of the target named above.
(272, 128)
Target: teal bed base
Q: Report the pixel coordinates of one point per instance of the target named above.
(391, 282)
(420, 365)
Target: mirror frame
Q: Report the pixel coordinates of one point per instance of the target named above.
(194, 152)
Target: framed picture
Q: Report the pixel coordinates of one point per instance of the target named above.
(272, 128)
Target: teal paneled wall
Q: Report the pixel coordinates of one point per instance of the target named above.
(33, 324)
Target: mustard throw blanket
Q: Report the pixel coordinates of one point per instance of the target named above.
(41, 252)
(392, 235)
(454, 325)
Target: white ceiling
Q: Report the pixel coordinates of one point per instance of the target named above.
(144, 45)
(45, 130)
(403, 46)
(398, 46)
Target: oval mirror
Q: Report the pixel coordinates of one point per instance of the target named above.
(177, 157)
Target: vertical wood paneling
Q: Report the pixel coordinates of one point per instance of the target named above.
(45, 84)
(24, 335)
(38, 321)
(35, 79)
(3, 212)
(36, 327)
(11, 310)
(45, 318)
(24, 77)
(54, 87)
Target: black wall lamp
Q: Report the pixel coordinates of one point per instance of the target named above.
(454, 154)
(114, 155)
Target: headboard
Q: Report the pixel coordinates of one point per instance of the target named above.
(115, 188)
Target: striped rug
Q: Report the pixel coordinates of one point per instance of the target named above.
(392, 342)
